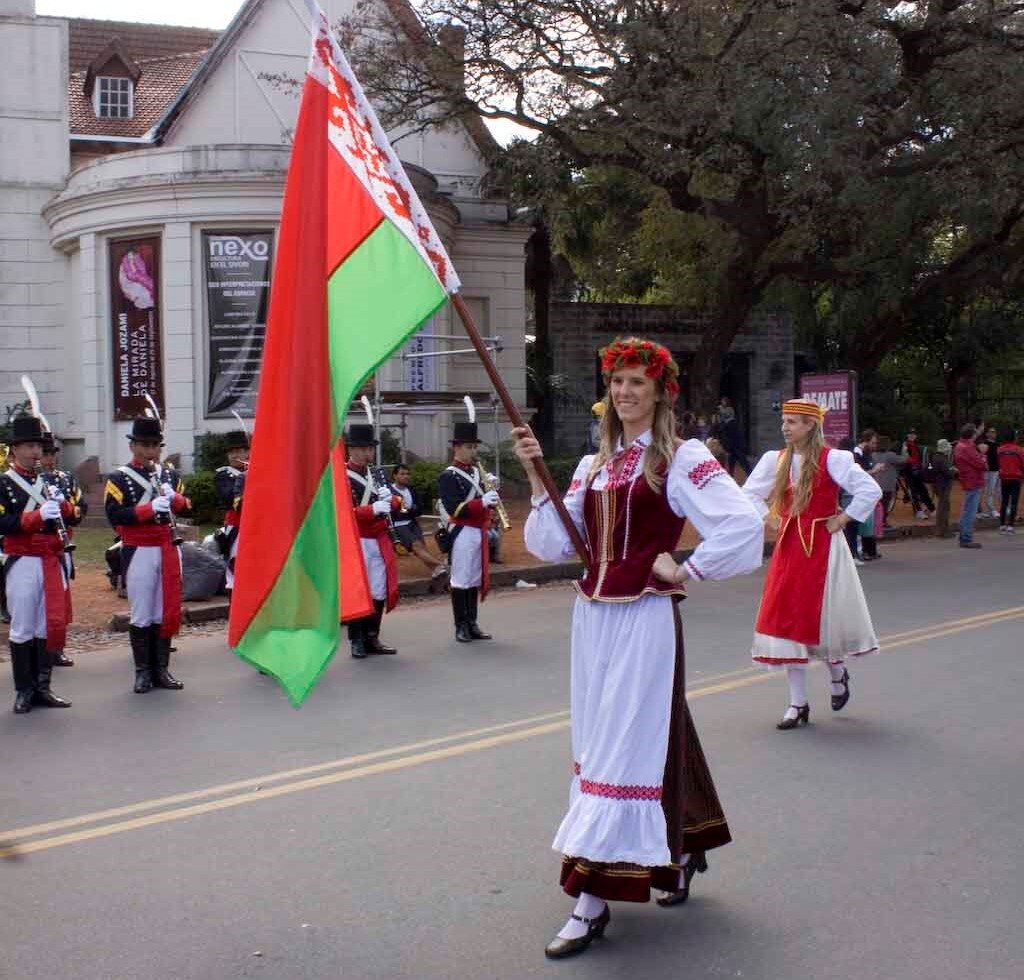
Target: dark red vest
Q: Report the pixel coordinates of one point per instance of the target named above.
(627, 526)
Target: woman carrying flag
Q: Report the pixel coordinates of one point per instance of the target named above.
(643, 809)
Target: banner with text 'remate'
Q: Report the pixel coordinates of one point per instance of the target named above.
(837, 392)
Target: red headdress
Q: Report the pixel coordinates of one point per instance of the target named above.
(632, 352)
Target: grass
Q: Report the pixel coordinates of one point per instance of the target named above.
(92, 542)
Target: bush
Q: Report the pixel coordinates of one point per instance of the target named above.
(424, 476)
(199, 488)
(210, 451)
(390, 448)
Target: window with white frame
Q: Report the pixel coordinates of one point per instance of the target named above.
(113, 98)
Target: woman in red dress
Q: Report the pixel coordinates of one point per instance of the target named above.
(813, 607)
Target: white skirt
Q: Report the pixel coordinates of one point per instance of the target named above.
(846, 628)
(623, 663)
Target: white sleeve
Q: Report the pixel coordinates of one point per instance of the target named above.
(544, 534)
(731, 529)
(758, 485)
(857, 482)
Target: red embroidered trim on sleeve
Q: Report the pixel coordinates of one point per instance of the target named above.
(703, 473)
(574, 486)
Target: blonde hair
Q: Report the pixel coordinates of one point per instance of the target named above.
(663, 445)
(811, 452)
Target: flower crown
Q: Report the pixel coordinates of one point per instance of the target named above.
(655, 359)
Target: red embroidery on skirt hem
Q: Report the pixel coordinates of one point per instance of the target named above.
(614, 791)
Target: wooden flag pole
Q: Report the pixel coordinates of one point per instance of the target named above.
(517, 420)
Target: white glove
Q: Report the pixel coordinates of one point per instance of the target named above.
(50, 510)
(167, 490)
(492, 481)
(491, 498)
(382, 507)
(384, 493)
(54, 494)
(162, 505)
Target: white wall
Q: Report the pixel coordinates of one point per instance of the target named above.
(236, 105)
(33, 165)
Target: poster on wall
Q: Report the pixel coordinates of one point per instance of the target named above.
(135, 324)
(419, 371)
(237, 278)
(837, 392)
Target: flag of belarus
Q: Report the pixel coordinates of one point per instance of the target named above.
(359, 268)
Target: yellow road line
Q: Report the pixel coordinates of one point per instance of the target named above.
(13, 847)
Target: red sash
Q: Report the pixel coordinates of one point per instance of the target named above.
(232, 518)
(159, 536)
(483, 523)
(56, 596)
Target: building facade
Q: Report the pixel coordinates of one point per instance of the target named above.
(142, 168)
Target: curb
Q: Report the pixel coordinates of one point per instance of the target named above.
(501, 577)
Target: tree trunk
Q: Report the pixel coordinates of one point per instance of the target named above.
(539, 273)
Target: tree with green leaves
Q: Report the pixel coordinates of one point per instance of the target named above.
(714, 151)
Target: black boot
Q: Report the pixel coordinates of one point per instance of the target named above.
(44, 697)
(160, 647)
(24, 676)
(357, 637)
(472, 596)
(60, 659)
(139, 637)
(373, 644)
(459, 610)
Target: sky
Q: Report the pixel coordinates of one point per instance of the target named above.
(187, 13)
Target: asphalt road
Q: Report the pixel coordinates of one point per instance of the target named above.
(398, 825)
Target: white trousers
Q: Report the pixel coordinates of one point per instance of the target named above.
(466, 561)
(26, 600)
(376, 570)
(144, 585)
(229, 576)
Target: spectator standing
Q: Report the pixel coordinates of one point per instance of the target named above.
(849, 529)
(730, 435)
(991, 453)
(915, 465)
(864, 452)
(971, 467)
(893, 464)
(1011, 472)
(944, 473)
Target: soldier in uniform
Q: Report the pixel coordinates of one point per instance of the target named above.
(139, 500)
(37, 591)
(67, 486)
(229, 484)
(468, 507)
(373, 505)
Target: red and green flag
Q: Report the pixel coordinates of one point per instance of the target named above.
(359, 268)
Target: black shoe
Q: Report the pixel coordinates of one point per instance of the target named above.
(138, 636)
(839, 700)
(373, 645)
(559, 948)
(22, 656)
(472, 599)
(359, 648)
(460, 610)
(161, 649)
(803, 717)
(697, 864)
(44, 697)
(61, 659)
(970, 544)
(462, 634)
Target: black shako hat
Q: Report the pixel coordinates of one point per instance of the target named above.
(236, 439)
(26, 428)
(49, 443)
(146, 430)
(464, 432)
(360, 434)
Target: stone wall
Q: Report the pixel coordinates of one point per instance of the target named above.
(763, 349)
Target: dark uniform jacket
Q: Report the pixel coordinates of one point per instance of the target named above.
(460, 493)
(65, 483)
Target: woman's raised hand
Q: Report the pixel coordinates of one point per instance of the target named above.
(527, 449)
